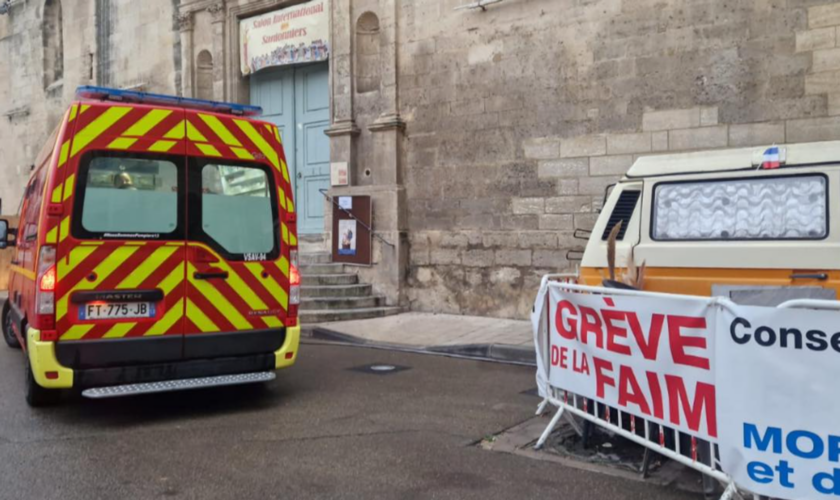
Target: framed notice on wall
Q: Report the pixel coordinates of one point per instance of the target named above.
(352, 240)
(295, 35)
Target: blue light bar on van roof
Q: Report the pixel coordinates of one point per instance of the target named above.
(105, 94)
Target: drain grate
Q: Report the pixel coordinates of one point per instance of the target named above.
(379, 369)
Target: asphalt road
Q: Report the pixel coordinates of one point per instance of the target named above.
(319, 431)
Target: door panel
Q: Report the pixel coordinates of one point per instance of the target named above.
(274, 91)
(122, 160)
(312, 112)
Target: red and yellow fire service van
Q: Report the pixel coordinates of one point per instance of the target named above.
(156, 250)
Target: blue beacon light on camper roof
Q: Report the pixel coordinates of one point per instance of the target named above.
(103, 93)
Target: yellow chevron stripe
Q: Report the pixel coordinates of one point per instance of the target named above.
(193, 134)
(76, 257)
(285, 231)
(282, 197)
(150, 265)
(277, 136)
(56, 194)
(148, 122)
(283, 265)
(174, 279)
(73, 110)
(76, 332)
(84, 108)
(200, 320)
(215, 297)
(272, 322)
(52, 235)
(219, 129)
(292, 239)
(68, 186)
(64, 230)
(97, 127)
(290, 206)
(207, 149)
(168, 320)
(102, 271)
(270, 284)
(177, 132)
(235, 282)
(119, 330)
(242, 154)
(65, 151)
(285, 170)
(259, 142)
(122, 143)
(162, 146)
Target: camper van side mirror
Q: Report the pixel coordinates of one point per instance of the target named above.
(4, 234)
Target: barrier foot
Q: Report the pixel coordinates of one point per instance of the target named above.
(548, 430)
(541, 407)
(646, 463)
(731, 493)
(571, 420)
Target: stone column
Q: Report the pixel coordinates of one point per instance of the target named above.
(218, 12)
(343, 129)
(185, 23)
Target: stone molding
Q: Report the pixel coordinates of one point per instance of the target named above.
(387, 122)
(343, 127)
(185, 21)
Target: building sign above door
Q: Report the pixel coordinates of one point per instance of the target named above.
(294, 35)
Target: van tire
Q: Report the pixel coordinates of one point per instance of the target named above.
(37, 396)
(8, 333)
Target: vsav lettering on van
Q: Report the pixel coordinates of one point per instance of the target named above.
(156, 243)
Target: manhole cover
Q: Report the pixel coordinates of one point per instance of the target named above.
(379, 368)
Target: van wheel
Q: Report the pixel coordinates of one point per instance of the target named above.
(8, 332)
(36, 395)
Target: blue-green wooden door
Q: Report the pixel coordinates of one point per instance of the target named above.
(297, 100)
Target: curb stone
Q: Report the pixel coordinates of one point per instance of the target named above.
(519, 355)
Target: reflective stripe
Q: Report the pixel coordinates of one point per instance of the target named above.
(282, 196)
(76, 332)
(283, 265)
(162, 146)
(292, 239)
(219, 129)
(177, 132)
(290, 206)
(259, 142)
(84, 108)
(168, 320)
(193, 134)
(26, 273)
(65, 151)
(148, 122)
(122, 143)
(242, 154)
(97, 127)
(215, 297)
(73, 110)
(198, 318)
(56, 194)
(150, 265)
(208, 150)
(64, 229)
(285, 231)
(174, 279)
(268, 282)
(52, 235)
(272, 322)
(68, 186)
(285, 170)
(119, 330)
(76, 257)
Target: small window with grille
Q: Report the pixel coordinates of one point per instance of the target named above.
(622, 212)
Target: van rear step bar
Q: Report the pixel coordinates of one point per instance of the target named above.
(177, 385)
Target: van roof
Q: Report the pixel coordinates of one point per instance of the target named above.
(723, 160)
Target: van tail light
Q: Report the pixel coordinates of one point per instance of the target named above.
(45, 295)
(294, 280)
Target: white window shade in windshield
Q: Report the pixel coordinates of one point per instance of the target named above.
(769, 208)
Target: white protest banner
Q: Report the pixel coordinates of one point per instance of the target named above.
(650, 356)
(779, 411)
(298, 34)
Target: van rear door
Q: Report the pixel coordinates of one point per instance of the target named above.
(238, 241)
(121, 241)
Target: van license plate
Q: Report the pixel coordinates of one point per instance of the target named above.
(122, 310)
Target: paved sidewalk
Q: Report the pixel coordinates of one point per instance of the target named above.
(475, 336)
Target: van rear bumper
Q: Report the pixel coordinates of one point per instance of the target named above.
(43, 358)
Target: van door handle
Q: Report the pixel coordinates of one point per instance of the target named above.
(806, 276)
(209, 276)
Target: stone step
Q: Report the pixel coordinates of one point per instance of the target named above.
(309, 269)
(362, 290)
(314, 258)
(338, 303)
(310, 317)
(329, 279)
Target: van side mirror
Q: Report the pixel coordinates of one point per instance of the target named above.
(4, 234)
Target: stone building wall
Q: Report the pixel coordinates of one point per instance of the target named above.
(519, 117)
(119, 43)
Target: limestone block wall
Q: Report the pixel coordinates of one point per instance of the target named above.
(519, 117)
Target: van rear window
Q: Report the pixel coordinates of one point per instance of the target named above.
(128, 197)
(765, 208)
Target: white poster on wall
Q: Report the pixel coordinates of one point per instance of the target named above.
(299, 34)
